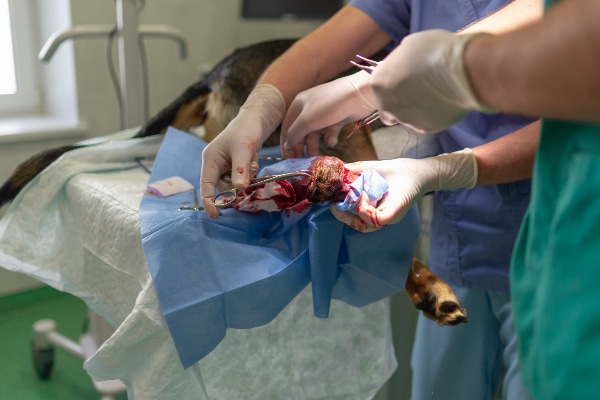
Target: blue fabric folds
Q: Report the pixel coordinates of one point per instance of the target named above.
(240, 270)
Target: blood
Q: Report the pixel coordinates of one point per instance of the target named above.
(370, 212)
(329, 182)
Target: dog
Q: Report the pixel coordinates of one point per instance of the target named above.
(212, 103)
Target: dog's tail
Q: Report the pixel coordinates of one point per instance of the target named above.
(28, 170)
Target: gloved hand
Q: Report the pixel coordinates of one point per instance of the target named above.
(236, 148)
(423, 83)
(325, 108)
(409, 179)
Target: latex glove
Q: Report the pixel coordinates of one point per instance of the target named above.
(409, 179)
(325, 109)
(423, 82)
(236, 148)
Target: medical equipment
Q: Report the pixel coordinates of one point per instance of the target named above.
(231, 194)
(374, 116)
(196, 206)
(369, 68)
(369, 119)
(133, 102)
(132, 92)
(46, 338)
(228, 197)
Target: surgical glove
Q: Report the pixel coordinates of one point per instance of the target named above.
(423, 82)
(325, 109)
(236, 148)
(408, 179)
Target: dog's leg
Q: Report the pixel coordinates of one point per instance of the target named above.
(433, 296)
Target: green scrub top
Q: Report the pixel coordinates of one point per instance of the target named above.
(555, 273)
(555, 276)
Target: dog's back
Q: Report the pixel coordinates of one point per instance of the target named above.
(217, 97)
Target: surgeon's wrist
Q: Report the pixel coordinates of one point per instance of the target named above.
(467, 98)
(361, 83)
(457, 170)
(267, 103)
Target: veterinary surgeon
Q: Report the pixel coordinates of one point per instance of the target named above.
(551, 69)
(476, 212)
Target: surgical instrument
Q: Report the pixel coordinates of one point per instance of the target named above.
(229, 196)
(369, 68)
(374, 116)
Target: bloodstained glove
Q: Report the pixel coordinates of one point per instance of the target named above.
(236, 148)
(408, 179)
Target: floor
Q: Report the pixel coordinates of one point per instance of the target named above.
(68, 380)
(18, 379)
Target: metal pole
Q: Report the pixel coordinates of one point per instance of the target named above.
(129, 33)
(130, 70)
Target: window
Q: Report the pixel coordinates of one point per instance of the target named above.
(8, 83)
(37, 101)
(18, 72)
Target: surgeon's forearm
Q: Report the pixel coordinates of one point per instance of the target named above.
(514, 15)
(549, 68)
(509, 158)
(325, 52)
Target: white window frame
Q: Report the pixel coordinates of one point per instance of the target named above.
(27, 97)
(52, 112)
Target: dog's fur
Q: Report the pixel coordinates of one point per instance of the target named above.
(213, 102)
(433, 296)
(216, 99)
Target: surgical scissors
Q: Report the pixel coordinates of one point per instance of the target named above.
(374, 116)
(229, 196)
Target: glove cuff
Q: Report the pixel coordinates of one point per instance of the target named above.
(267, 102)
(467, 98)
(361, 82)
(457, 170)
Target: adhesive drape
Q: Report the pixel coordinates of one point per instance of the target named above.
(241, 269)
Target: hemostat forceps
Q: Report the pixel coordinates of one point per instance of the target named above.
(228, 197)
(369, 68)
(374, 116)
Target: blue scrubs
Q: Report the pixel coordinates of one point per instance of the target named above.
(472, 236)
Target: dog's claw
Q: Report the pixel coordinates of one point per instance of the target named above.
(433, 296)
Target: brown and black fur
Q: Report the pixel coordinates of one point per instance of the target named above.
(216, 99)
(28, 170)
(212, 102)
(433, 296)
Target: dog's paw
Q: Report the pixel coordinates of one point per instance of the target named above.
(433, 296)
